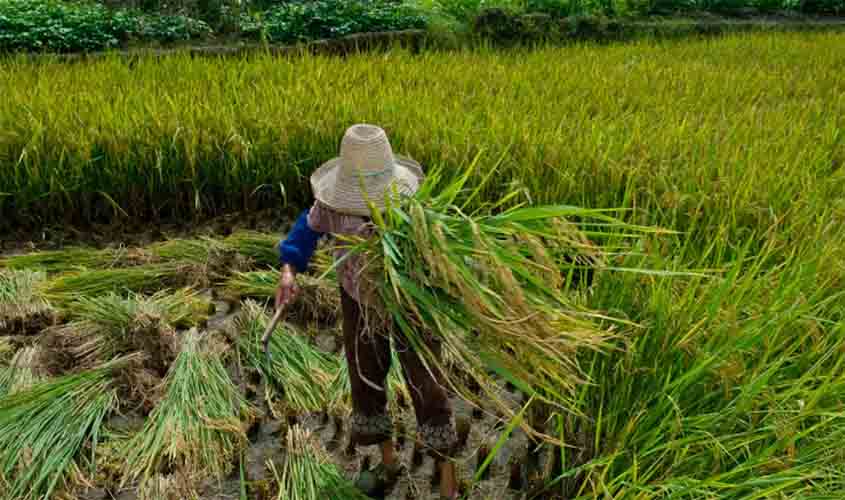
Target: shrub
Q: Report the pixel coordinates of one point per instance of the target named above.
(49, 25)
(332, 19)
(171, 28)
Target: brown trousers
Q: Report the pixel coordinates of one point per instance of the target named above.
(368, 355)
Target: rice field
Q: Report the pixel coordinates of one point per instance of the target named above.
(724, 376)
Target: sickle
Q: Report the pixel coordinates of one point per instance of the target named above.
(265, 339)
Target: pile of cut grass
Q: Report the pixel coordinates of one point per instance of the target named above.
(199, 424)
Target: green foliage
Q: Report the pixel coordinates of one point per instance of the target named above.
(171, 28)
(321, 19)
(52, 25)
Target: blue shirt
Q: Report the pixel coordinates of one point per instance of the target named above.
(300, 244)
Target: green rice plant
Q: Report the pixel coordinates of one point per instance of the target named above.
(308, 473)
(297, 372)
(151, 278)
(23, 308)
(48, 426)
(318, 300)
(199, 423)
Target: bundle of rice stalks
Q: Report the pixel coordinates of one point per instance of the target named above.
(200, 422)
(318, 300)
(487, 286)
(65, 288)
(111, 325)
(297, 372)
(24, 310)
(46, 427)
(260, 248)
(24, 371)
(309, 474)
(69, 259)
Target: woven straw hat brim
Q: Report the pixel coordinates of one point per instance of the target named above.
(344, 193)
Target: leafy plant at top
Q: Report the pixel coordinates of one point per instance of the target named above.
(293, 22)
(57, 26)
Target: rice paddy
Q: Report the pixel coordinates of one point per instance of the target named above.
(709, 339)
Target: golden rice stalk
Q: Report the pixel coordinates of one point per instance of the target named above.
(318, 301)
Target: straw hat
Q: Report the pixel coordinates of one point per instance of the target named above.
(366, 161)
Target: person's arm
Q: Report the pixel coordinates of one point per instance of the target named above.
(297, 249)
(295, 253)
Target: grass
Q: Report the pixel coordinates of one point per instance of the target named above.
(198, 425)
(48, 426)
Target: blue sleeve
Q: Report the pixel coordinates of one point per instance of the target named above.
(299, 245)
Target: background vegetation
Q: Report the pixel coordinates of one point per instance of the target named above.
(86, 25)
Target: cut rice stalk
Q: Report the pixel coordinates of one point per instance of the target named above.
(24, 310)
(25, 370)
(69, 259)
(261, 248)
(318, 300)
(66, 288)
(44, 428)
(111, 325)
(309, 474)
(299, 372)
(199, 424)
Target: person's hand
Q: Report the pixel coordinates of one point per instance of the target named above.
(287, 287)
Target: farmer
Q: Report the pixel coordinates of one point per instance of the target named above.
(367, 163)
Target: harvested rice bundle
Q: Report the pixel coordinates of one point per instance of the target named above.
(298, 372)
(260, 248)
(318, 300)
(24, 371)
(488, 288)
(200, 422)
(66, 288)
(23, 308)
(111, 325)
(309, 474)
(69, 259)
(46, 427)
